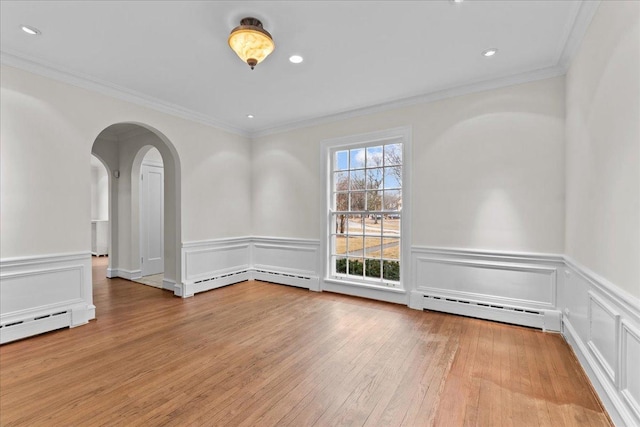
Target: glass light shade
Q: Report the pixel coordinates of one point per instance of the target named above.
(251, 43)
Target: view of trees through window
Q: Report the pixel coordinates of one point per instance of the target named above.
(366, 211)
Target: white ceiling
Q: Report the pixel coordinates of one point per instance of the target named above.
(173, 55)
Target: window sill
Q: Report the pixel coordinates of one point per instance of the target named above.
(365, 285)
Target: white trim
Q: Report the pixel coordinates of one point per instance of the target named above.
(491, 295)
(446, 93)
(57, 288)
(608, 377)
(583, 17)
(583, 14)
(39, 259)
(54, 71)
(379, 293)
(619, 296)
(216, 242)
(124, 274)
(597, 353)
(488, 253)
(287, 261)
(404, 135)
(169, 285)
(247, 265)
(628, 330)
(285, 240)
(605, 390)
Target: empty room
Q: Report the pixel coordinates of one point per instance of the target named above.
(320, 213)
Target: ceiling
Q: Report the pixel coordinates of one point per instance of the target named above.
(358, 55)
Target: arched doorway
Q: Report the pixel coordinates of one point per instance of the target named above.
(122, 147)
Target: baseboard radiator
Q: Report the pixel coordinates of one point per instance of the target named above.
(18, 329)
(218, 281)
(548, 320)
(298, 280)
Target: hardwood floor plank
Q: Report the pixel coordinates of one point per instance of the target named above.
(258, 354)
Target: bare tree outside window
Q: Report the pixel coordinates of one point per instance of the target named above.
(366, 208)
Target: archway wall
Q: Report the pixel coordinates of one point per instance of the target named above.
(47, 131)
(126, 154)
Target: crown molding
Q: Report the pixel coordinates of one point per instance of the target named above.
(583, 13)
(56, 72)
(451, 92)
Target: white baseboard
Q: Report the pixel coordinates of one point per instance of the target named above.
(169, 285)
(43, 293)
(125, 274)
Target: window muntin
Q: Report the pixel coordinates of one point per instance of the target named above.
(366, 213)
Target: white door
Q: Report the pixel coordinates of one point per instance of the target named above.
(152, 219)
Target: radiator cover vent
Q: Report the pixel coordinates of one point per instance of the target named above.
(486, 305)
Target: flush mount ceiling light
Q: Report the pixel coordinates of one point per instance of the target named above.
(251, 42)
(490, 52)
(250, 116)
(30, 30)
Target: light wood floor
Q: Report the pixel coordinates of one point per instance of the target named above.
(258, 354)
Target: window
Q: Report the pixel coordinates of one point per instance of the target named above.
(365, 210)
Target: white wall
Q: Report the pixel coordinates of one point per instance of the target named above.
(99, 192)
(488, 170)
(48, 129)
(153, 156)
(603, 145)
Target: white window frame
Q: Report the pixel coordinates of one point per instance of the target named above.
(389, 136)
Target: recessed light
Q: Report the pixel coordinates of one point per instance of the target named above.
(30, 30)
(249, 116)
(296, 59)
(456, 1)
(490, 52)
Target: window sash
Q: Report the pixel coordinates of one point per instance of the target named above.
(353, 187)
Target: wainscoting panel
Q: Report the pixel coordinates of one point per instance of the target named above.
(603, 334)
(602, 324)
(630, 367)
(293, 262)
(211, 264)
(507, 287)
(39, 294)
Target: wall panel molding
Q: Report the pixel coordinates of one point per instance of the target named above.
(602, 325)
(209, 264)
(629, 368)
(510, 287)
(43, 293)
(293, 262)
